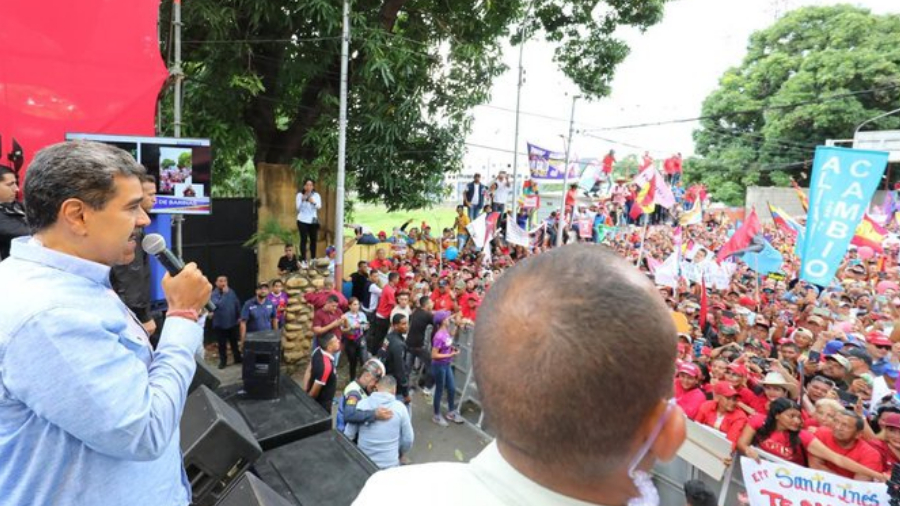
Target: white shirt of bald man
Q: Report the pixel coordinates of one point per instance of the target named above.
(488, 480)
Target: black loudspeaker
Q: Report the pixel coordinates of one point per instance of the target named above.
(262, 364)
(322, 469)
(216, 444)
(249, 490)
(204, 375)
(292, 416)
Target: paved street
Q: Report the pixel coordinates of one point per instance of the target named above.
(456, 443)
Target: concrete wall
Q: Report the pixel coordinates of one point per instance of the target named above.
(785, 198)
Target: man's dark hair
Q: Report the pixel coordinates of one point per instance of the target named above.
(4, 170)
(402, 293)
(397, 318)
(286, 246)
(860, 424)
(263, 284)
(423, 300)
(361, 263)
(393, 276)
(332, 298)
(605, 329)
(81, 170)
(148, 178)
(696, 493)
(326, 338)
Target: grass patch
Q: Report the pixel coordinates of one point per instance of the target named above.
(378, 218)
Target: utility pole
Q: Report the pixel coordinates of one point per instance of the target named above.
(178, 74)
(342, 154)
(562, 205)
(515, 174)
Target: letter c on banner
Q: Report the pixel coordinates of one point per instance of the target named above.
(816, 268)
(853, 168)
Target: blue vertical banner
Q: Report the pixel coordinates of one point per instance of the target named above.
(843, 182)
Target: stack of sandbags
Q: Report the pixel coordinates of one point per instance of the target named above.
(297, 336)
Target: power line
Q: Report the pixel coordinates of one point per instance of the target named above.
(751, 111)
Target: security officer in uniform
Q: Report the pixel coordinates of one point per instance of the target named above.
(357, 390)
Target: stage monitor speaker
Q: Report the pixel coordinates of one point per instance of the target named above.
(249, 490)
(204, 375)
(322, 469)
(262, 364)
(291, 416)
(216, 444)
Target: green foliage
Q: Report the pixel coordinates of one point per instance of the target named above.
(262, 79)
(272, 232)
(814, 75)
(626, 167)
(184, 159)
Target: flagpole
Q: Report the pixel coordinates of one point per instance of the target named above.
(562, 204)
(643, 240)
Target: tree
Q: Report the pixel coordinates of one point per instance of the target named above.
(262, 79)
(814, 75)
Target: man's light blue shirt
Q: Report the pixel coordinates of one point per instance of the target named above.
(383, 441)
(89, 413)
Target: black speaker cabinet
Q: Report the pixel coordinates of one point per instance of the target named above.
(262, 364)
(216, 444)
(322, 469)
(291, 416)
(204, 375)
(249, 490)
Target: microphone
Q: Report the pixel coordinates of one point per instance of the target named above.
(155, 244)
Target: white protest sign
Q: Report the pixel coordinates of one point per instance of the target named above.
(705, 448)
(785, 484)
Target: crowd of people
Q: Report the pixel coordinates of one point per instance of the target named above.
(804, 373)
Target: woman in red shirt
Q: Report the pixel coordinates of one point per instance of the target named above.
(888, 441)
(780, 434)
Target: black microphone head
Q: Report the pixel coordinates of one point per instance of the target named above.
(153, 244)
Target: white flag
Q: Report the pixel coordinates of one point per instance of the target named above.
(516, 234)
(478, 231)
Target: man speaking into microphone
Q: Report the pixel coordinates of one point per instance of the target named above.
(89, 413)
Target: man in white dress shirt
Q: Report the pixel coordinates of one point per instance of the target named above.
(600, 347)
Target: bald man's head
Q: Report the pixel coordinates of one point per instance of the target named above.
(574, 348)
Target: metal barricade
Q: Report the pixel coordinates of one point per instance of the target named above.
(462, 370)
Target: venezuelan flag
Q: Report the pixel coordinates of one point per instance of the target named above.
(869, 233)
(784, 222)
(804, 199)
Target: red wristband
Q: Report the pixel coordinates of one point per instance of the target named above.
(190, 314)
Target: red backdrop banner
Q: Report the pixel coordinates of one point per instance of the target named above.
(87, 66)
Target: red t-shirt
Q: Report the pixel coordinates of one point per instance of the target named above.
(732, 424)
(608, 162)
(387, 302)
(888, 457)
(442, 301)
(860, 452)
(778, 442)
(690, 401)
(375, 264)
(323, 318)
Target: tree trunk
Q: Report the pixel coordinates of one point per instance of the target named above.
(276, 190)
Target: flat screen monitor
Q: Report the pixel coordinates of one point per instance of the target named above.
(182, 167)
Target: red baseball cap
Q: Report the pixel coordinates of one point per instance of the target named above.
(747, 302)
(878, 339)
(689, 369)
(738, 368)
(724, 388)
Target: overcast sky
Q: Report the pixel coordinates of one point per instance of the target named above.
(672, 67)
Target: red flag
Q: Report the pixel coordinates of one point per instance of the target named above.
(742, 237)
(704, 305)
